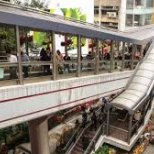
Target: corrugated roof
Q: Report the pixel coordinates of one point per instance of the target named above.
(140, 85)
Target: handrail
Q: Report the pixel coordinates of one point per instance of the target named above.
(78, 131)
(93, 141)
(69, 150)
(126, 131)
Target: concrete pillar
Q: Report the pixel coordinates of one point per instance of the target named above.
(38, 131)
(122, 15)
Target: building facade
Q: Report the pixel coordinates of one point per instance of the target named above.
(124, 14)
(106, 12)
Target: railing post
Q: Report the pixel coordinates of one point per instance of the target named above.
(130, 128)
(19, 55)
(142, 51)
(112, 56)
(79, 56)
(54, 61)
(97, 57)
(123, 57)
(132, 56)
(108, 119)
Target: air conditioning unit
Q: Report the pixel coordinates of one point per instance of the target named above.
(112, 14)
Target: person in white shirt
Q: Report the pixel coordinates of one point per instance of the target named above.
(12, 59)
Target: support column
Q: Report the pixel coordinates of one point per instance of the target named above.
(132, 56)
(97, 57)
(142, 51)
(112, 56)
(54, 61)
(130, 127)
(19, 55)
(123, 57)
(79, 55)
(122, 15)
(108, 119)
(38, 131)
(27, 44)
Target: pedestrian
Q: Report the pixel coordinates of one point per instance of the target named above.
(25, 58)
(94, 120)
(12, 59)
(84, 119)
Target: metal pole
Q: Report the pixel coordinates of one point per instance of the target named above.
(54, 61)
(19, 55)
(27, 44)
(130, 128)
(97, 57)
(142, 51)
(79, 55)
(108, 120)
(112, 56)
(132, 56)
(123, 57)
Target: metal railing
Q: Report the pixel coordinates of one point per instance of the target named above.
(82, 132)
(72, 139)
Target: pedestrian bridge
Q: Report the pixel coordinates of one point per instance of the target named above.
(25, 102)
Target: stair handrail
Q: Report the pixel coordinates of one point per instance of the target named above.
(81, 132)
(95, 138)
(75, 135)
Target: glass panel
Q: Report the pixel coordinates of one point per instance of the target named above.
(88, 56)
(130, 4)
(105, 56)
(137, 20)
(36, 53)
(118, 56)
(148, 19)
(127, 56)
(8, 55)
(66, 51)
(149, 3)
(129, 20)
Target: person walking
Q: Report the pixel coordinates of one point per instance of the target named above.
(25, 58)
(12, 59)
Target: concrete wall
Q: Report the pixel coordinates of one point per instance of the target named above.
(25, 102)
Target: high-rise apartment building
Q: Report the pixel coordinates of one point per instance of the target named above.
(106, 12)
(124, 14)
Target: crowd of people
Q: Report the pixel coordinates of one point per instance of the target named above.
(63, 64)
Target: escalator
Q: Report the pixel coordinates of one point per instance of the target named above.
(82, 141)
